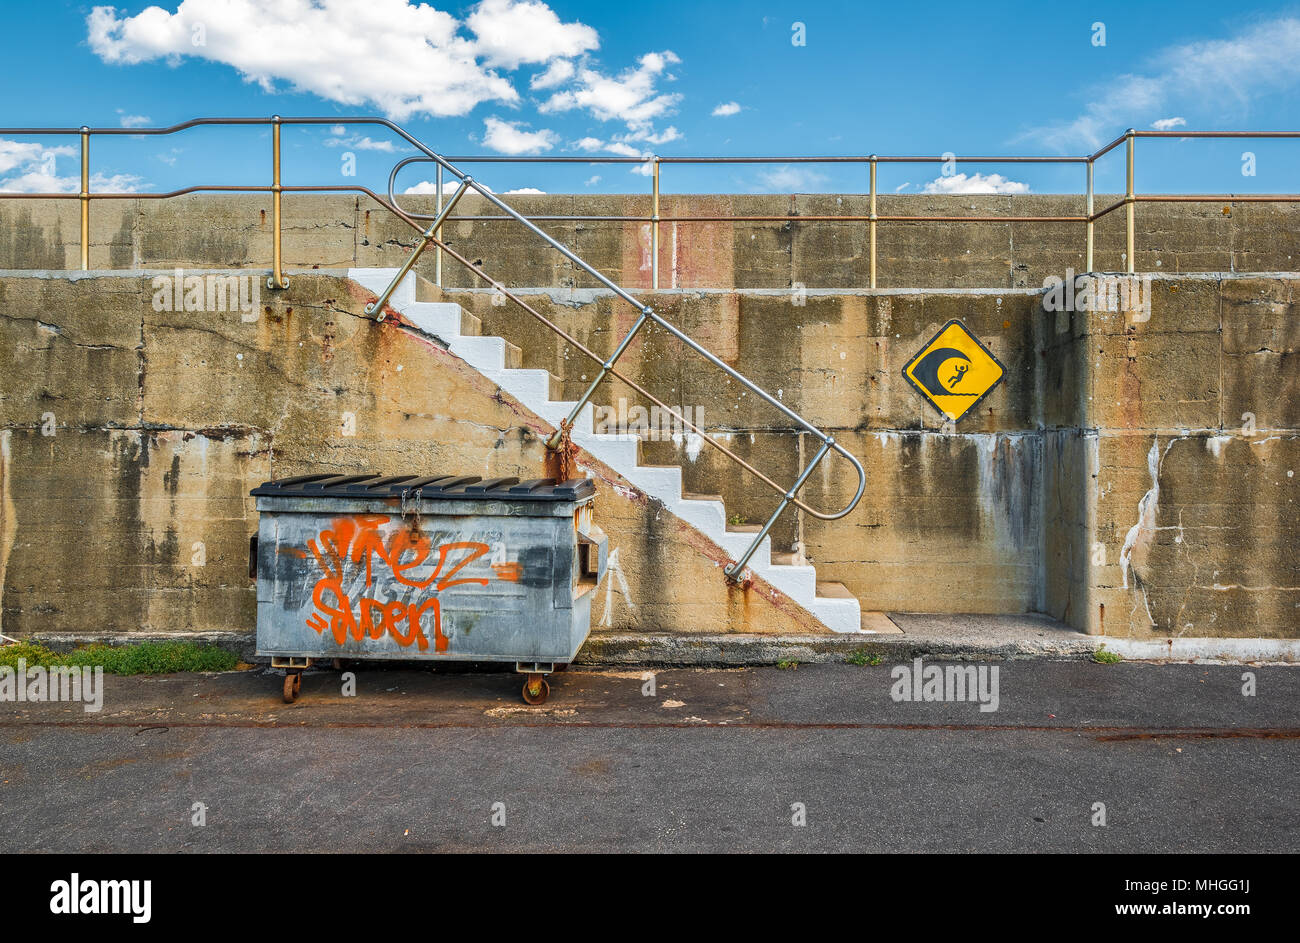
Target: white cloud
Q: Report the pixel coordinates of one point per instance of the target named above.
(512, 33)
(975, 183)
(508, 137)
(619, 146)
(340, 138)
(26, 153)
(592, 180)
(557, 73)
(449, 186)
(404, 59)
(38, 181)
(34, 170)
(133, 121)
(632, 96)
(668, 134)
(1168, 124)
(791, 179)
(1213, 73)
(726, 110)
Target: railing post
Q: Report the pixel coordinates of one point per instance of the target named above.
(277, 279)
(85, 198)
(376, 307)
(646, 313)
(654, 227)
(437, 254)
(871, 226)
(1087, 264)
(1130, 203)
(733, 572)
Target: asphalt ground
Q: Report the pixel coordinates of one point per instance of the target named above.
(702, 760)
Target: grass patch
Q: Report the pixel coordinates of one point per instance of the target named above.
(1103, 657)
(864, 657)
(787, 664)
(141, 658)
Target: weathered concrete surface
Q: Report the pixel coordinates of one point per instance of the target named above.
(711, 762)
(1130, 477)
(1027, 506)
(131, 436)
(326, 231)
(1173, 513)
(923, 635)
(960, 507)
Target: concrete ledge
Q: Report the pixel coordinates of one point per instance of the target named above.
(242, 644)
(986, 637)
(948, 637)
(720, 650)
(1208, 650)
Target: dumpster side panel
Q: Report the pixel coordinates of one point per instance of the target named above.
(370, 584)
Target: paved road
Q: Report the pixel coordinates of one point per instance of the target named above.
(713, 760)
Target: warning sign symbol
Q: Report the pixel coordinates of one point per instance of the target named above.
(954, 371)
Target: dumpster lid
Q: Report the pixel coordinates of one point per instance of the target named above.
(433, 487)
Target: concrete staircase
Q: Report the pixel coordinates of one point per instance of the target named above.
(500, 361)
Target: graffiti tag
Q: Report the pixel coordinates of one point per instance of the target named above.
(358, 541)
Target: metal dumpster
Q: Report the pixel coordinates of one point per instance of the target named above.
(437, 568)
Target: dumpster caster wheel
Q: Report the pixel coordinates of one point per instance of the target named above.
(292, 686)
(536, 690)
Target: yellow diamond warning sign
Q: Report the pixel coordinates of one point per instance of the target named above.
(954, 371)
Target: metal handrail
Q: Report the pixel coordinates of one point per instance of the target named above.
(1129, 201)
(646, 314)
(431, 235)
(1089, 217)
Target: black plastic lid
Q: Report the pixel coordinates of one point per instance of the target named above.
(446, 487)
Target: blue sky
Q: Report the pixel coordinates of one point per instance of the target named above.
(594, 78)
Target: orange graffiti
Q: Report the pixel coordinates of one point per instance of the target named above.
(358, 540)
(508, 571)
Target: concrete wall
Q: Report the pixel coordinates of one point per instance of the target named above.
(329, 231)
(130, 438)
(1133, 477)
(961, 508)
(1029, 505)
(1192, 458)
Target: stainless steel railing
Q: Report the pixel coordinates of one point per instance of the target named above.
(1089, 217)
(430, 235)
(646, 314)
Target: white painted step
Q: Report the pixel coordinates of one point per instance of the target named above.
(708, 516)
(838, 615)
(481, 353)
(527, 386)
(838, 610)
(377, 279)
(442, 318)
